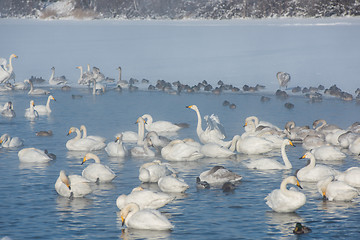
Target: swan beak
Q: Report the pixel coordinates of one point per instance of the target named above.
(324, 195)
(84, 160)
(15, 56)
(188, 106)
(69, 133)
(298, 184)
(291, 143)
(117, 139)
(122, 221)
(302, 157)
(245, 124)
(53, 99)
(68, 186)
(1, 141)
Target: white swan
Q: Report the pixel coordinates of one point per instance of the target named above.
(142, 151)
(35, 91)
(336, 190)
(122, 83)
(354, 147)
(33, 155)
(82, 144)
(158, 142)
(314, 172)
(172, 184)
(30, 112)
(210, 134)
(85, 77)
(219, 175)
(269, 163)
(144, 198)
(159, 126)
(130, 136)
(351, 176)
(8, 110)
(116, 148)
(153, 171)
(182, 150)
(148, 219)
(313, 141)
(251, 145)
(258, 123)
(97, 172)
(6, 71)
(56, 80)
(72, 185)
(328, 153)
(45, 109)
(214, 150)
(98, 88)
(284, 200)
(96, 138)
(10, 142)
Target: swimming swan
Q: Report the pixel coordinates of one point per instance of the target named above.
(172, 184)
(148, 219)
(30, 112)
(328, 153)
(35, 91)
(56, 80)
(351, 176)
(336, 190)
(182, 150)
(284, 200)
(314, 172)
(33, 155)
(219, 175)
(269, 163)
(10, 142)
(116, 148)
(6, 70)
(153, 171)
(251, 145)
(97, 172)
(8, 110)
(144, 198)
(130, 136)
(159, 126)
(210, 134)
(72, 185)
(82, 144)
(45, 109)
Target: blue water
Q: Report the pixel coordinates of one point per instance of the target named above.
(31, 208)
(237, 52)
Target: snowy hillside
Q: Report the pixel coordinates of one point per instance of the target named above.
(177, 9)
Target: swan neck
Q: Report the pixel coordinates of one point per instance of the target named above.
(234, 143)
(141, 132)
(83, 128)
(94, 87)
(48, 104)
(119, 74)
(10, 64)
(284, 189)
(78, 134)
(199, 129)
(285, 157)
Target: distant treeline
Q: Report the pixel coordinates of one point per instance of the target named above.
(185, 9)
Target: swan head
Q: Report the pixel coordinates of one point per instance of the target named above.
(90, 156)
(32, 103)
(307, 155)
(52, 98)
(193, 107)
(13, 56)
(71, 130)
(118, 137)
(137, 189)
(119, 68)
(289, 142)
(65, 179)
(139, 120)
(126, 210)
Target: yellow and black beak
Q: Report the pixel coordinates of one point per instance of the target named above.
(303, 157)
(188, 106)
(291, 143)
(122, 221)
(298, 184)
(84, 160)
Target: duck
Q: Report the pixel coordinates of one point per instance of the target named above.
(8, 110)
(44, 133)
(269, 163)
(213, 132)
(84, 135)
(201, 184)
(97, 172)
(328, 153)
(30, 112)
(284, 200)
(72, 185)
(116, 148)
(182, 150)
(147, 219)
(45, 109)
(35, 91)
(144, 198)
(33, 155)
(301, 229)
(334, 190)
(159, 126)
(153, 171)
(56, 80)
(10, 142)
(82, 144)
(314, 172)
(350, 176)
(172, 184)
(219, 175)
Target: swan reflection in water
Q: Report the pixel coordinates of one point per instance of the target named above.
(128, 233)
(283, 222)
(73, 206)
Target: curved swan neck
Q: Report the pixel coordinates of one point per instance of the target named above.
(83, 129)
(119, 73)
(141, 130)
(149, 119)
(52, 73)
(253, 119)
(129, 210)
(78, 134)
(10, 69)
(234, 141)
(284, 155)
(322, 123)
(199, 129)
(92, 156)
(48, 103)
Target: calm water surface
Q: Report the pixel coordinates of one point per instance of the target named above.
(31, 208)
